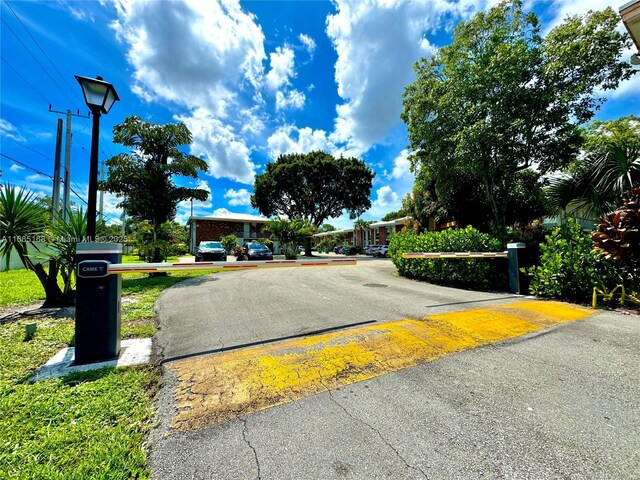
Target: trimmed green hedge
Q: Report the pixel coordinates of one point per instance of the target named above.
(478, 273)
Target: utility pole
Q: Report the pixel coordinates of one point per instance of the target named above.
(67, 161)
(56, 170)
(67, 169)
(101, 193)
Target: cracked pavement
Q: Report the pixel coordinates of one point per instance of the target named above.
(556, 403)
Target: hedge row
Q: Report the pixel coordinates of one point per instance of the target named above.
(481, 274)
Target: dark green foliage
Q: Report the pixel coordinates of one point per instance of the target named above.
(472, 273)
(570, 267)
(394, 215)
(501, 98)
(144, 176)
(314, 186)
(229, 242)
(609, 167)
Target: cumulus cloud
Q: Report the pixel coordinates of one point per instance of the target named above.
(238, 197)
(386, 197)
(282, 68)
(401, 166)
(377, 44)
(292, 99)
(206, 57)
(291, 139)
(308, 42)
(10, 131)
(226, 155)
(15, 168)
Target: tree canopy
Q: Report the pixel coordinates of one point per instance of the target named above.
(144, 177)
(502, 98)
(314, 186)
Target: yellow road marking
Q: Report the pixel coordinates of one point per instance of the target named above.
(219, 387)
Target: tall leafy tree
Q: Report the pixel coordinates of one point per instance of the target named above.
(609, 167)
(314, 186)
(144, 177)
(501, 98)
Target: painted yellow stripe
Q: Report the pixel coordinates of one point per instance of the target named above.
(219, 387)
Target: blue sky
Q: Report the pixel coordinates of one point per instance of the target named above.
(250, 79)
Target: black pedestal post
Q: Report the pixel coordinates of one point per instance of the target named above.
(518, 281)
(97, 303)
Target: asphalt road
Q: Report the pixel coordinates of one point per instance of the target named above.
(244, 307)
(561, 403)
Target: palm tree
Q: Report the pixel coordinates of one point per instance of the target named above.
(609, 168)
(22, 220)
(290, 233)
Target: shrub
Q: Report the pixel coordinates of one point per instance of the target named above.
(468, 273)
(570, 267)
(229, 242)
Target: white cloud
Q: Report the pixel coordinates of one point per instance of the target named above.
(401, 166)
(292, 99)
(226, 155)
(10, 131)
(377, 44)
(291, 139)
(238, 197)
(15, 168)
(221, 212)
(282, 68)
(206, 57)
(386, 198)
(308, 42)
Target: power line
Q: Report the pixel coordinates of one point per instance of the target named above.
(25, 146)
(36, 60)
(38, 45)
(24, 79)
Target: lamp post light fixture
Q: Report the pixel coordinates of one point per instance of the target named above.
(99, 97)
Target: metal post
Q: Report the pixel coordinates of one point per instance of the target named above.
(93, 177)
(97, 303)
(67, 169)
(101, 193)
(517, 280)
(55, 201)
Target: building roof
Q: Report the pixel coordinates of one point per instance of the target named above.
(389, 223)
(234, 217)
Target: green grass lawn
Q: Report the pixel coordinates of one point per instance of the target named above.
(91, 425)
(85, 425)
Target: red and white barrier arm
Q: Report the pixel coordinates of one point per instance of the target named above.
(117, 268)
(455, 255)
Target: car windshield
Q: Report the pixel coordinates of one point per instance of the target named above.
(210, 245)
(257, 246)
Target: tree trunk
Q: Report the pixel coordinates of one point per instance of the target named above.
(53, 295)
(307, 247)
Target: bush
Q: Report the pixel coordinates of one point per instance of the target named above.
(570, 267)
(229, 242)
(468, 273)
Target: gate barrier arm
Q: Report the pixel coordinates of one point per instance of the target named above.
(518, 283)
(99, 284)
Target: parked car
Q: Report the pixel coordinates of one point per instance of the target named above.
(371, 249)
(300, 249)
(258, 251)
(338, 249)
(382, 251)
(210, 251)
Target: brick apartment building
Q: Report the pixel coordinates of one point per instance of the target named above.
(244, 227)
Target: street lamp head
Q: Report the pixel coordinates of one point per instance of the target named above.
(98, 94)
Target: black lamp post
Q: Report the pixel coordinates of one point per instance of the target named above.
(100, 97)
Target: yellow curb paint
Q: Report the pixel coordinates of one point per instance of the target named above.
(219, 387)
